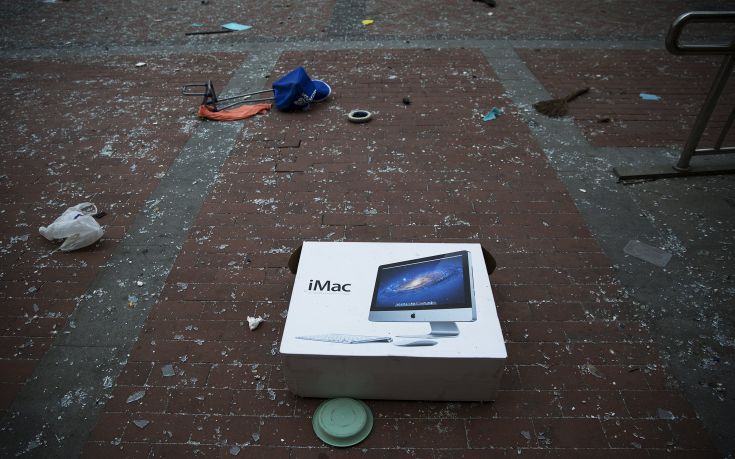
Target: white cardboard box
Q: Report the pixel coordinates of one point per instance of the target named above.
(340, 286)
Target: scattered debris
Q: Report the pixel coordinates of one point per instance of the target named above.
(235, 450)
(76, 226)
(132, 301)
(665, 414)
(492, 114)
(647, 96)
(234, 26)
(107, 382)
(141, 423)
(359, 116)
(254, 322)
(136, 396)
(139, 283)
(591, 369)
(558, 107)
(526, 434)
(167, 370)
(647, 253)
(293, 92)
(367, 22)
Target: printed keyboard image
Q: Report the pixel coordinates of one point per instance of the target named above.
(347, 339)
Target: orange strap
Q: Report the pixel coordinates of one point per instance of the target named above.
(239, 113)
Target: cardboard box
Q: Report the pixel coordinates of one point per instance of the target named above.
(392, 291)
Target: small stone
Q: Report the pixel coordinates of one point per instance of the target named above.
(665, 414)
(406, 101)
(235, 450)
(167, 370)
(140, 64)
(526, 434)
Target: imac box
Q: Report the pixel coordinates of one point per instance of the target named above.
(402, 321)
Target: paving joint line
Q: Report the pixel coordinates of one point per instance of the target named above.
(345, 19)
(56, 410)
(319, 45)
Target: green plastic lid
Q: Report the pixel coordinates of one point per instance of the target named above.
(342, 422)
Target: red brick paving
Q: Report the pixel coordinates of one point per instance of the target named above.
(617, 77)
(582, 378)
(100, 23)
(99, 130)
(563, 19)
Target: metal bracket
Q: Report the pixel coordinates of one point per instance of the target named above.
(212, 101)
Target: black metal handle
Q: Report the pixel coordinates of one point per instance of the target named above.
(672, 38)
(186, 90)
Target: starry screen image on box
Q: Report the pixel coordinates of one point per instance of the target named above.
(437, 282)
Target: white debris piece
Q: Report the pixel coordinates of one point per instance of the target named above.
(140, 64)
(591, 369)
(235, 450)
(136, 396)
(167, 370)
(254, 322)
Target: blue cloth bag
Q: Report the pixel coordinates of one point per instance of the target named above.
(295, 90)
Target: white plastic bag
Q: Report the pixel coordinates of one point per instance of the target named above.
(76, 225)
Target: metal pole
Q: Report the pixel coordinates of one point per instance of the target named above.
(725, 130)
(704, 114)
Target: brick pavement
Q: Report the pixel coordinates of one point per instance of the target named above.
(617, 77)
(81, 23)
(583, 377)
(65, 24)
(564, 19)
(82, 129)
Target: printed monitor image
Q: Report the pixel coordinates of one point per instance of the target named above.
(436, 289)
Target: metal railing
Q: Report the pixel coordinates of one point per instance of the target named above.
(683, 166)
